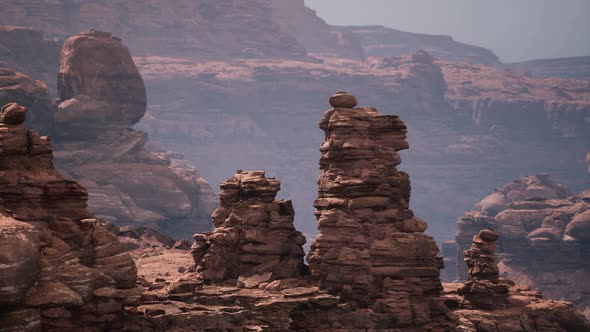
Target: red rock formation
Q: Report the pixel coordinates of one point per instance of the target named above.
(254, 240)
(371, 249)
(484, 287)
(60, 269)
(211, 28)
(99, 86)
(101, 99)
(543, 236)
(488, 302)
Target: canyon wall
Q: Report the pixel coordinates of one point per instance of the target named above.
(573, 68)
(100, 100)
(194, 28)
(466, 121)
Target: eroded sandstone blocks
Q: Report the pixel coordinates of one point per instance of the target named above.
(59, 269)
(484, 287)
(254, 239)
(371, 250)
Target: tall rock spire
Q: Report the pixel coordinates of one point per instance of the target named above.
(371, 249)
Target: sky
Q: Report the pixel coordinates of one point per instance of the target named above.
(516, 30)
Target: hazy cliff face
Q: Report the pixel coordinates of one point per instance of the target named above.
(471, 127)
(469, 123)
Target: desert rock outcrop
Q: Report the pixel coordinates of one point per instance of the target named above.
(60, 268)
(99, 86)
(543, 241)
(101, 99)
(372, 249)
(254, 237)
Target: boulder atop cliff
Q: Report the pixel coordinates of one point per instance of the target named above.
(98, 84)
(544, 235)
(16, 87)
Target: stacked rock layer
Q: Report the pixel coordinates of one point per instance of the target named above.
(254, 238)
(544, 236)
(484, 288)
(59, 269)
(371, 250)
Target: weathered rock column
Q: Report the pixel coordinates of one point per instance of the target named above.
(484, 287)
(371, 249)
(254, 239)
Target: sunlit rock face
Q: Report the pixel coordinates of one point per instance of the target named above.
(60, 268)
(543, 230)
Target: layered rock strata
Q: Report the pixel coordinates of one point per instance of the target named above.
(489, 302)
(371, 250)
(211, 28)
(543, 232)
(60, 269)
(484, 288)
(254, 237)
(102, 95)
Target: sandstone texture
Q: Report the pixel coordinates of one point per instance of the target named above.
(60, 269)
(543, 236)
(488, 302)
(465, 128)
(371, 248)
(234, 298)
(254, 240)
(102, 95)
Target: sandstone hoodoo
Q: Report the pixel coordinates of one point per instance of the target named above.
(484, 287)
(372, 250)
(543, 237)
(255, 240)
(60, 269)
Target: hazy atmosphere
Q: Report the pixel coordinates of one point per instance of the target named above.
(189, 165)
(514, 30)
